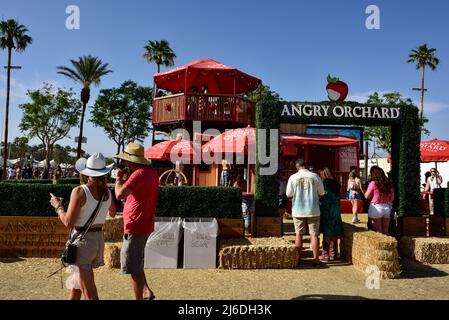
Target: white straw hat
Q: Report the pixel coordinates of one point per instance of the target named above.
(95, 166)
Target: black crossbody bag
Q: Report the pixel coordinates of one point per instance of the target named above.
(69, 254)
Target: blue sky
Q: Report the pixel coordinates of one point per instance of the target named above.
(290, 45)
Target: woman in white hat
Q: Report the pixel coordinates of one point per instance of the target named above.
(83, 201)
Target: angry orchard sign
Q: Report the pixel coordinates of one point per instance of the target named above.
(334, 111)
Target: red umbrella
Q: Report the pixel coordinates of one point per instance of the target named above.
(167, 150)
(218, 77)
(232, 141)
(434, 151)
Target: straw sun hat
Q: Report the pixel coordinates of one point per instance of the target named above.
(134, 152)
(95, 166)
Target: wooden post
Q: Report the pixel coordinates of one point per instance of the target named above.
(366, 161)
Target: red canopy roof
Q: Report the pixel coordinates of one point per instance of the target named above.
(434, 150)
(166, 150)
(321, 140)
(218, 77)
(240, 140)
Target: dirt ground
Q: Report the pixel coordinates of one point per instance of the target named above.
(26, 278)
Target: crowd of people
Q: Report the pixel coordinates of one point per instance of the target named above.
(316, 206)
(19, 172)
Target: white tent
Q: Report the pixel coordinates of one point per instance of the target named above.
(42, 164)
(66, 165)
(10, 162)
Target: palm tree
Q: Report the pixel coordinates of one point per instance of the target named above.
(86, 70)
(423, 57)
(12, 36)
(160, 53)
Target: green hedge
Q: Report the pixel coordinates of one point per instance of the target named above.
(409, 163)
(267, 186)
(68, 181)
(28, 181)
(44, 181)
(218, 202)
(185, 201)
(31, 199)
(441, 202)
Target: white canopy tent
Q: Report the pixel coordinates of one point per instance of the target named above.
(10, 162)
(42, 164)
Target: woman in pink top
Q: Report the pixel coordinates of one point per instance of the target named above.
(381, 193)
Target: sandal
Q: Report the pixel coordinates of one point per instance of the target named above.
(150, 297)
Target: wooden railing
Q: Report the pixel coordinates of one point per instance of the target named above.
(203, 107)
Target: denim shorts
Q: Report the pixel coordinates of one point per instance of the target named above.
(132, 254)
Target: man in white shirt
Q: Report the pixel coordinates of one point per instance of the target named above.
(433, 182)
(305, 188)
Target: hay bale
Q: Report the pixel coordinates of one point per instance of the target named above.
(112, 254)
(365, 249)
(257, 253)
(113, 229)
(425, 250)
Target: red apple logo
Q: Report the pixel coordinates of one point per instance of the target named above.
(336, 90)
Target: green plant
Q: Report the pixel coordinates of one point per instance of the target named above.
(86, 70)
(267, 186)
(74, 181)
(441, 202)
(12, 36)
(31, 199)
(216, 202)
(185, 201)
(409, 163)
(27, 181)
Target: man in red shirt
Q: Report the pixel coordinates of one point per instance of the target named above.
(141, 190)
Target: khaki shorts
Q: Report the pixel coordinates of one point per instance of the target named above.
(312, 222)
(132, 255)
(90, 251)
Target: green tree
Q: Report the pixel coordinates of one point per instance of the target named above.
(160, 53)
(19, 147)
(382, 135)
(86, 70)
(49, 116)
(12, 36)
(123, 113)
(263, 93)
(63, 154)
(422, 57)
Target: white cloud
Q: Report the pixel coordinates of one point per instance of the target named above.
(433, 107)
(429, 106)
(19, 89)
(363, 96)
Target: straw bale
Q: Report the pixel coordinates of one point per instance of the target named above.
(257, 253)
(113, 229)
(112, 254)
(426, 250)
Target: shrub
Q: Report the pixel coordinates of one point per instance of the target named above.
(31, 199)
(28, 181)
(216, 202)
(68, 181)
(441, 202)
